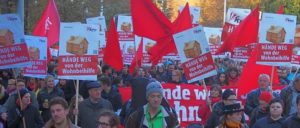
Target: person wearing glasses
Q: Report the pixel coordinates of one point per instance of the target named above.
(108, 119)
(252, 97)
(153, 114)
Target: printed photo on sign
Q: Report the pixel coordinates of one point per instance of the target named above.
(195, 13)
(191, 43)
(277, 28)
(11, 30)
(79, 39)
(37, 48)
(124, 24)
(99, 20)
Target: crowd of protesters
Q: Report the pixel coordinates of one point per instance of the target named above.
(51, 102)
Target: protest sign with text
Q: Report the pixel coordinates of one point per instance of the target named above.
(194, 54)
(188, 99)
(100, 20)
(213, 36)
(276, 37)
(37, 48)
(126, 38)
(13, 49)
(78, 51)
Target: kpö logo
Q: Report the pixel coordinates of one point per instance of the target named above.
(235, 17)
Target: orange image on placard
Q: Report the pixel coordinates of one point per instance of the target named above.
(77, 45)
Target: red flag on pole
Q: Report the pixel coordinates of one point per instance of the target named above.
(137, 60)
(280, 10)
(48, 25)
(251, 71)
(245, 33)
(148, 20)
(112, 52)
(166, 43)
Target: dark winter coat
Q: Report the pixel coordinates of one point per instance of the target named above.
(267, 122)
(292, 121)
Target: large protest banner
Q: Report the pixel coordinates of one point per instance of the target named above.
(187, 99)
(276, 37)
(13, 49)
(100, 21)
(78, 51)
(296, 48)
(126, 38)
(194, 53)
(37, 49)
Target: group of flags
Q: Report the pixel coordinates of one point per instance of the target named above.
(149, 21)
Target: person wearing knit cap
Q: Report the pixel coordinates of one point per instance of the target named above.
(24, 111)
(153, 114)
(261, 110)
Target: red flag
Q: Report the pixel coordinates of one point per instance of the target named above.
(245, 33)
(166, 43)
(280, 10)
(112, 52)
(137, 60)
(148, 20)
(48, 25)
(251, 71)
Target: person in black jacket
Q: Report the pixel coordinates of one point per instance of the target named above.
(293, 121)
(24, 111)
(46, 94)
(275, 119)
(111, 93)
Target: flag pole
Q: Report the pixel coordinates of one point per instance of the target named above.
(271, 82)
(19, 97)
(225, 5)
(296, 73)
(76, 101)
(207, 97)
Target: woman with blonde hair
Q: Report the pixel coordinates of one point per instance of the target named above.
(232, 117)
(176, 77)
